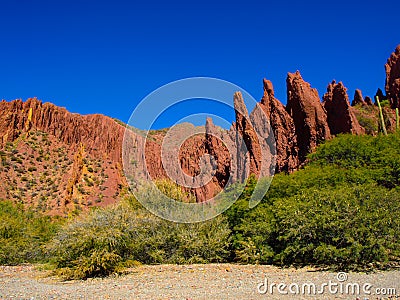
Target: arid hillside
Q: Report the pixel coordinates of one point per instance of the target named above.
(58, 161)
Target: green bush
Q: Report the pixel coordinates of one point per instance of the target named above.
(104, 241)
(341, 211)
(370, 124)
(22, 233)
(347, 228)
(98, 263)
(374, 159)
(352, 151)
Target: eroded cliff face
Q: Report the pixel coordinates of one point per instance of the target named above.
(392, 86)
(341, 118)
(309, 116)
(246, 131)
(58, 161)
(218, 145)
(287, 159)
(99, 134)
(81, 156)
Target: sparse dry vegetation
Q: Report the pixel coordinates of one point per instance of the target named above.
(342, 211)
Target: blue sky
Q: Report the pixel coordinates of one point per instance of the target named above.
(106, 56)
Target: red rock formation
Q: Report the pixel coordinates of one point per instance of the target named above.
(341, 118)
(308, 114)
(284, 131)
(49, 139)
(99, 134)
(392, 86)
(217, 145)
(298, 129)
(358, 99)
(368, 100)
(246, 130)
(380, 95)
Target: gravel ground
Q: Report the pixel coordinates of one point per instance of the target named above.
(212, 281)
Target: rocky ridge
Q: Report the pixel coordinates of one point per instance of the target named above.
(75, 161)
(392, 85)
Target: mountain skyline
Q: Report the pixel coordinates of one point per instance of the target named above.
(94, 57)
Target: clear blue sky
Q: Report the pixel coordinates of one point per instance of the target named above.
(105, 56)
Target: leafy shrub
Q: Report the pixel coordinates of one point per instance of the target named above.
(370, 124)
(99, 262)
(348, 228)
(385, 103)
(352, 151)
(373, 158)
(22, 233)
(102, 242)
(174, 191)
(341, 211)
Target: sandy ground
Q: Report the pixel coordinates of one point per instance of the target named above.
(212, 281)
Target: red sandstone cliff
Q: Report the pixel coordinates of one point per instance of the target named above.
(309, 116)
(392, 86)
(99, 134)
(284, 130)
(341, 118)
(58, 161)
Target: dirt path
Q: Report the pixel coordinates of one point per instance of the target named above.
(213, 281)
